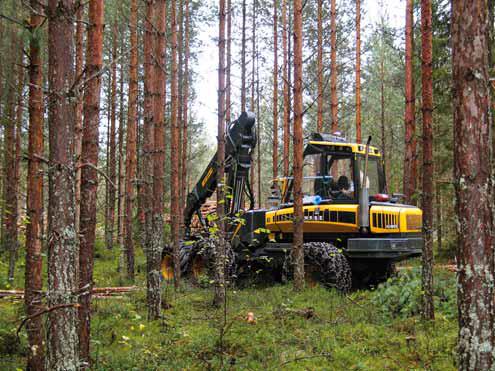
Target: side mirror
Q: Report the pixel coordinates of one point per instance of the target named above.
(396, 197)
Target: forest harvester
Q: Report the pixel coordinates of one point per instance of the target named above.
(354, 231)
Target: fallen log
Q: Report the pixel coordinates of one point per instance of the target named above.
(97, 291)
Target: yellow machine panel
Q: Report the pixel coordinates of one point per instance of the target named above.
(317, 219)
(395, 219)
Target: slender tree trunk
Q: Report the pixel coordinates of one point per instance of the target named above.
(358, 71)
(89, 174)
(9, 235)
(286, 92)
(243, 58)
(470, 44)
(33, 282)
(131, 148)
(253, 104)
(410, 164)
(319, 124)
(157, 239)
(333, 61)
(63, 249)
(180, 99)
(121, 204)
(382, 117)
(112, 163)
(275, 91)
(258, 131)
(79, 41)
(14, 198)
(298, 248)
(427, 204)
(438, 196)
(174, 154)
(228, 103)
(185, 106)
(147, 180)
(219, 296)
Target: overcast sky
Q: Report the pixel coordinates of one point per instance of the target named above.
(206, 84)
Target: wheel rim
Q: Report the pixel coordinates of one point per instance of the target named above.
(167, 268)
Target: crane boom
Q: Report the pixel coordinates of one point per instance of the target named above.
(240, 143)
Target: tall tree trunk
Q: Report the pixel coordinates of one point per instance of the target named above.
(33, 282)
(319, 123)
(185, 107)
(14, 198)
(258, 131)
(427, 204)
(157, 240)
(180, 99)
(275, 91)
(89, 174)
(253, 104)
(333, 61)
(298, 248)
(112, 163)
(228, 73)
(472, 123)
(243, 58)
(9, 236)
(79, 41)
(174, 154)
(358, 71)
(121, 197)
(63, 248)
(219, 296)
(149, 148)
(286, 92)
(131, 148)
(410, 163)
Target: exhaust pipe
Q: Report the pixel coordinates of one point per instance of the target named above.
(364, 199)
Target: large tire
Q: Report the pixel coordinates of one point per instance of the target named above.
(167, 264)
(324, 263)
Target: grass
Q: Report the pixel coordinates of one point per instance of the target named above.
(316, 329)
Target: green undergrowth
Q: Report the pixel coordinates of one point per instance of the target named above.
(317, 329)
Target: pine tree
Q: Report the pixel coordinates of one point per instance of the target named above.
(275, 91)
(298, 247)
(428, 173)
(89, 174)
(63, 249)
(333, 58)
(33, 282)
(358, 71)
(472, 126)
(410, 163)
(319, 47)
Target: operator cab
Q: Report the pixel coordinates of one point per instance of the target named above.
(333, 172)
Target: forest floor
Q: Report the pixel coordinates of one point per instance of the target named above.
(317, 329)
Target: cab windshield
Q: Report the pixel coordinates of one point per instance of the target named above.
(336, 178)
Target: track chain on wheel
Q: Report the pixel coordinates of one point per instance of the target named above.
(207, 248)
(329, 264)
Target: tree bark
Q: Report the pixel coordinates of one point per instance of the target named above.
(157, 240)
(131, 148)
(9, 235)
(319, 123)
(33, 282)
(243, 58)
(63, 248)
(358, 71)
(89, 174)
(254, 161)
(473, 185)
(286, 90)
(428, 173)
(219, 296)
(298, 252)
(275, 91)
(228, 103)
(112, 164)
(174, 155)
(334, 72)
(14, 198)
(79, 41)
(185, 107)
(410, 163)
